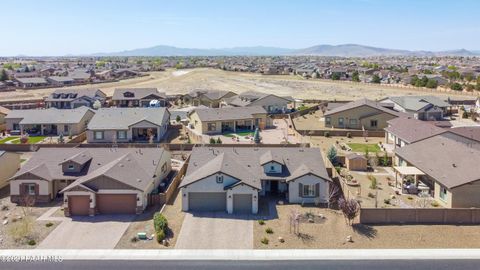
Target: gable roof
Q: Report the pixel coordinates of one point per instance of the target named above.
(470, 132)
(451, 162)
(123, 118)
(415, 103)
(245, 163)
(138, 93)
(4, 110)
(411, 130)
(72, 94)
(49, 116)
(360, 103)
(210, 94)
(132, 166)
(247, 98)
(228, 113)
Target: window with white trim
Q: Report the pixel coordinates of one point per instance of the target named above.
(219, 179)
(71, 167)
(328, 120)
(98, 135)
(121, 134)
(30, 189)
(443, 193)
(309, 190)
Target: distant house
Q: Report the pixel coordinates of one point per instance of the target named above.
(128, 125)
(271, 103)
(422, 107)
(49, 121)
(138, 97)
(446, 165)
(124, 73)
(105, 74)
(73, 98)
(3, 113)
(231, 179)
(60, 80)
(229, 119)
(81, 75)
(31, 82)
(208, 98)
(362, 114)
(92, 180)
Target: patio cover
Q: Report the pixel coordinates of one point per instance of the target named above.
(408, 170)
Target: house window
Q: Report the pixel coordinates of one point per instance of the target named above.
(212, 126)
(328, 121)
(353, 122)
(98, 135)
(164, 167)
(443, 193)
(373, 123)
(30, 189)
(219, 179)
(65, 128)
(272, 168)
(308, 190)
(121, 134)
(340, 121)
(71, 167)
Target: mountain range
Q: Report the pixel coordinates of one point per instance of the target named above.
(344, 50)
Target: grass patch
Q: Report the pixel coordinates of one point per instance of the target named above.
(16, 139)
(361, 147)
(239, 134)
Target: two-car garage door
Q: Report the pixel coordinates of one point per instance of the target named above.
(217, 201)
(106, 204)
(207, 201)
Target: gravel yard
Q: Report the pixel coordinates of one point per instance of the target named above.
(333, 232)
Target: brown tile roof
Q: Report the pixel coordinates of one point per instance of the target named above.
(411, 130)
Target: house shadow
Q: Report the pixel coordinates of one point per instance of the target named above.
(365, 230)
(223, 215)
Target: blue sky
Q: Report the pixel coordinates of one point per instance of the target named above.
(52, 27)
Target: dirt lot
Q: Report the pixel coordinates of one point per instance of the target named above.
(179, 82)
(324, 143)
(332, 232)
(15, 216)
(144, 223)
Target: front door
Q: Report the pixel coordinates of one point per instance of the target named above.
(274, 187)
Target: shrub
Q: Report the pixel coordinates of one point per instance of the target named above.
(134, 239)
(4, 207)
(49, 224)
(269, 230)
(373, 182)
(349, 135)
(160, 223)
(219, 141)
(264, 241)
(160, 236)
(212, 141)
(261, 222)
(386, 201)
(32, 242)
(410, 197)
(371, 195)
(435, 204)
(326, 134)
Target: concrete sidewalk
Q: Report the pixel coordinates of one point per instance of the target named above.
(227, 254)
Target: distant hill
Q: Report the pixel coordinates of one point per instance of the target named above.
(344, 50)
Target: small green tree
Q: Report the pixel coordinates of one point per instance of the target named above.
(432, 83)
(256, 136)
(355, 76)
(3, 75)
(332, 155)
(376, 79)
(456, 86)
(336, 76)
(212, 141)
(178, 119)
(219, 141)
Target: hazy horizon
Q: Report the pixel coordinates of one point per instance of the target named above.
(57, 28)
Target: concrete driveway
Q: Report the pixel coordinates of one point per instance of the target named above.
(216, 230)
(99, 232)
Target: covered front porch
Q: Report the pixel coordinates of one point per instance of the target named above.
(274, 187)
(238, 125)
(39, 129)
(145, 134)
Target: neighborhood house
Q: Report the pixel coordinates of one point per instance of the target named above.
(73, 98)
(138, 97)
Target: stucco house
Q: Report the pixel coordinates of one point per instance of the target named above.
(74, 98)
(92, 180)
(50, 121)
(138, 97)
(208, 98)
(232, 179)
(421, 107)
(128, 125)
(447, 165)
(402, 131)
(3, 113)
(228, 119)
(271, 103)
(360, 114)
(9, 165)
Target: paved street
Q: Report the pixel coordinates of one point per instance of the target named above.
(233, 265)
(103, 231)
(215, 231)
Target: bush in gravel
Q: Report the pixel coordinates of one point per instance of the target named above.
(160, 236)
(160, 223)
(269, 230)
(32, 242)
(264, 241)
(134, 239)
(261, 222)
(49, 224)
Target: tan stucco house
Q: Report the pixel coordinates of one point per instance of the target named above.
(50, 121)
(228, 119)
(92, 180)
(362, 114)
(208, 98)
(271, 103)
(232, 180)
(9, 165)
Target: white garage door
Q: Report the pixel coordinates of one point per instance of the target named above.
(207, 201)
